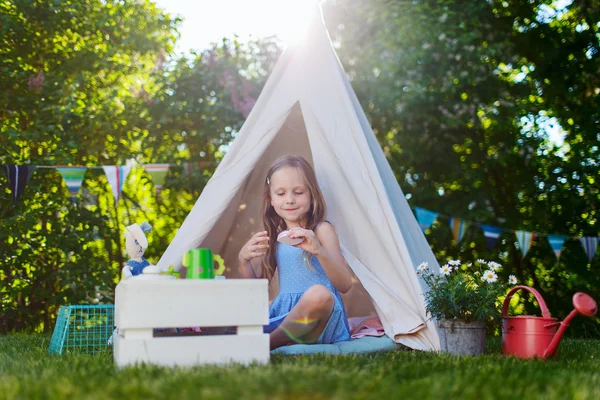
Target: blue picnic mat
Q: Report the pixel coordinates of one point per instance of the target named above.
(367, 344)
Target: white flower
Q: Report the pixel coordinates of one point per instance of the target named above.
(512, 279)
(490, 276)
(423, 266)
(445, 270)
(494, 266)
(454, 262)
(480, 261)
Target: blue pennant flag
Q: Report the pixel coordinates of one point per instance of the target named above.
(18, 176)
(589, 244)
(492, 234)
(425, 217)
(557, 242)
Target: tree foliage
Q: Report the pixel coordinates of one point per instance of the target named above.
(93, 83)
(461, 95)
(69, 72)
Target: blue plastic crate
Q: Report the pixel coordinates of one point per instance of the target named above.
(83, 328)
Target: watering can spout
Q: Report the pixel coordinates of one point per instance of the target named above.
(584, 305)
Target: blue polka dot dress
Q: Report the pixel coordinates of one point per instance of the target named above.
(295, 278)
(137, 267)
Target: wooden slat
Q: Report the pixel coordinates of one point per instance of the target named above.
(192, 350)
(183, 303)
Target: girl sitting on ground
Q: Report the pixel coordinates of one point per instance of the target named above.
(312, 273)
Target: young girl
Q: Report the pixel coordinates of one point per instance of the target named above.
(308, 308)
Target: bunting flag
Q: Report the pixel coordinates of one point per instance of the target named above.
(193, 166)
(589, 244)
(73, 177)
(18, 176)
(425, 217)
(158, 172)
(525, 239)
(492, 234)
(459, 227)
(116, 178)
(557, 242)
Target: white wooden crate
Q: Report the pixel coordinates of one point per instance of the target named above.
(142, 305)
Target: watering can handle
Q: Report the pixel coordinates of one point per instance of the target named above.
(536, 294)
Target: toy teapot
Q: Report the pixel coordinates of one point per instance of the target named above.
(526, 336)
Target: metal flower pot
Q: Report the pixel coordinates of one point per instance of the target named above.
(461, 337)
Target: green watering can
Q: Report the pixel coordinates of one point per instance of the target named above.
(200, 264)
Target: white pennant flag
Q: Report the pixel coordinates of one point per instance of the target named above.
(116, 178)
(525, 240)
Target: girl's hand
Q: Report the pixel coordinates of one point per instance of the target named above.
(310, 243)
(255, 247)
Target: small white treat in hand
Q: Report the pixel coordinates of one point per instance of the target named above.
(284, 237)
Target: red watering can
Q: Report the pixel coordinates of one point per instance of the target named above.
(526, 336)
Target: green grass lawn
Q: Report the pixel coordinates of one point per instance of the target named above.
(27, 371)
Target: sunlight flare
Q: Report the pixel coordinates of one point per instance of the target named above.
(290, 18)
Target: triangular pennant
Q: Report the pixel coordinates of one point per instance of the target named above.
(158, 172)
(589, 244)
(18, 176)
(193, 166)
(459, 227)
(557, 242)
(116, 178)
(492, 234)
(425, 217)
(73, 177)
(525, 239)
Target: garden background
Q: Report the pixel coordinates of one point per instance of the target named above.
(488, 111)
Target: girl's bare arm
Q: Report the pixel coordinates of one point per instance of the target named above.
(331, 258)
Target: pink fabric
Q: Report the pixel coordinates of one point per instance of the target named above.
(365, 326)
(190, 329)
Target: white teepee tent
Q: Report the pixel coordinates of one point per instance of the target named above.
(308, 108)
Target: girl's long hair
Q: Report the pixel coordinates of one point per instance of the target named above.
(273, 223)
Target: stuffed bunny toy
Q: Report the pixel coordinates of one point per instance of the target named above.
(136, 244)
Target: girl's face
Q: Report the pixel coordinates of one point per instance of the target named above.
(290, 196)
